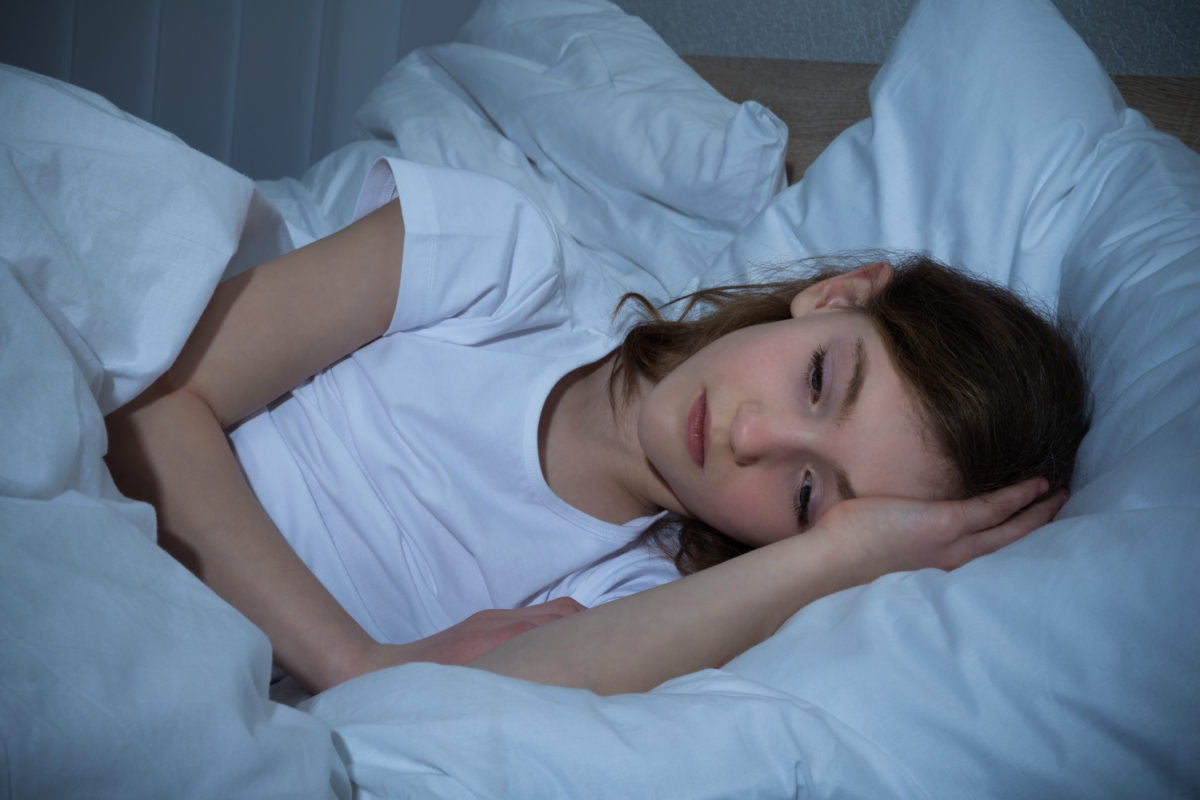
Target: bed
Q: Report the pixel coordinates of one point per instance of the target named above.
(1062, 666)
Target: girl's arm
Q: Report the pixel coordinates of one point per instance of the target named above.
(263, 333)
(706, 619)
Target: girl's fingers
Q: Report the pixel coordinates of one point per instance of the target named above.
(1017, 525)
(882, 535)
(548, 612)
(994, 508)
(559, 607)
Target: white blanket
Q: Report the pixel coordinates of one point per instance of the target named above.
(120, 674)
(1061, 666)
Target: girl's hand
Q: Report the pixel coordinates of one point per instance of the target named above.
(477, 634)
(882, 535)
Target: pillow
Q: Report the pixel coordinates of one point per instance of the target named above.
(595, 93)
(645, 169)
(1061, 666)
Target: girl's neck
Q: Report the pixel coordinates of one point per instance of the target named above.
(588, 446)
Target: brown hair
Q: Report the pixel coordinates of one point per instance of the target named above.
(1000, 388)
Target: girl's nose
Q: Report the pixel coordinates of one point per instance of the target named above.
(756, 434)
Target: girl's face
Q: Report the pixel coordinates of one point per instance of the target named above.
(760, 432)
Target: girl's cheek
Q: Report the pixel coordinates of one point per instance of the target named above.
(743, 514)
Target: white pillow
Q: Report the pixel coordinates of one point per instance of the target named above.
(645, 169)
(1064, 665)
(595, 94)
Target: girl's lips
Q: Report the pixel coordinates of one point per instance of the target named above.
(696, 424)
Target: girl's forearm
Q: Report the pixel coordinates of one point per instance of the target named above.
(171, 451)
(706, 619)
(263, 332)
(702, 620)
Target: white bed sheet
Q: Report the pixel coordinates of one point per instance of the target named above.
(1059, 667)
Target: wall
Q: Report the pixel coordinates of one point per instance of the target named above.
(267, 86)
(1141, 37)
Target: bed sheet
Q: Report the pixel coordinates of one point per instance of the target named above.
(1059, 667)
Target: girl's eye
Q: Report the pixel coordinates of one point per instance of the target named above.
(801, 501)
(816, 373)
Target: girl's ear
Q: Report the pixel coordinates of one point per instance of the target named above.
(848, 289)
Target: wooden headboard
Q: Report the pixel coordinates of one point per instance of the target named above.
(820, 99)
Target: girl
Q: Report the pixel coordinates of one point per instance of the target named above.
(464, 444)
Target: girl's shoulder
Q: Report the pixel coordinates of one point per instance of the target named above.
(477, 252)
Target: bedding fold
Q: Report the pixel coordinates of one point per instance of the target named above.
(121, 675)
(1060, 666)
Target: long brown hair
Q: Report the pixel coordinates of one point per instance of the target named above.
(1000, 387)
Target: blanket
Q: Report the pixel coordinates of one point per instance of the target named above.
(1060, 666)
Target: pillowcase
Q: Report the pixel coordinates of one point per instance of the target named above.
(1060, 666)
(646, 171)
(596, 94)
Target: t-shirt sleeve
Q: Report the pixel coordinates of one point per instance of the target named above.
(480, 258)
(634, 569)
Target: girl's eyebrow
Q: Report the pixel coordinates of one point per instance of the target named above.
(857, 376)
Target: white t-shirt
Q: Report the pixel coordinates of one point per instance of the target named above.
(407, 475)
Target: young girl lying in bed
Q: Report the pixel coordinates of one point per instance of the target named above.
(467, 445)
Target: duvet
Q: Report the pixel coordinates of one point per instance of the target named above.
(1061, 666)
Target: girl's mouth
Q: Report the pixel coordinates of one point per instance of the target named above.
(696, 424)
